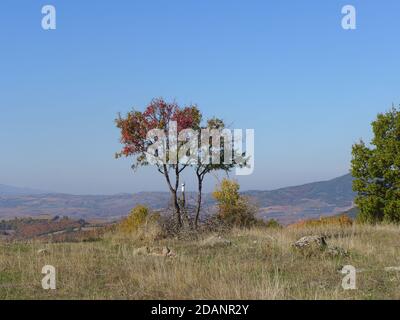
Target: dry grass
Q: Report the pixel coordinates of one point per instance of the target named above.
(259, 264)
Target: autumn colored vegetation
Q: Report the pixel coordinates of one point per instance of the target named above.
(163, 116)
(159, 114)
(233, 208)
(339, 220)
(29, 228)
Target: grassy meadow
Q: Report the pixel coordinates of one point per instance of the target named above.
(259, 263)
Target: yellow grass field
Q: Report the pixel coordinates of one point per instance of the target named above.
(260, 263)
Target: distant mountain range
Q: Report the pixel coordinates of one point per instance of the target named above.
(307, 201)
(286, 204)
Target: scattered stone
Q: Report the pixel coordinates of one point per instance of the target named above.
(317, 242)
(154, 251)
(165, 251)
(157, 251)
(162, 252)
(311, 244)
(337, 251)
(43, 252)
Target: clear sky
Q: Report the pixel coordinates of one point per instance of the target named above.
(285, 68)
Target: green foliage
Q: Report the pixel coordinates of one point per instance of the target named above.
(377, 171)
(272, 223)
(233, 208)
(139, 216)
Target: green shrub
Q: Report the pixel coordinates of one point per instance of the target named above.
(138, 216)
(272, 223)
(233, 208)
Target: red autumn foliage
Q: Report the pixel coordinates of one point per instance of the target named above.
(28, 228)
(188, 117)
(157, 115)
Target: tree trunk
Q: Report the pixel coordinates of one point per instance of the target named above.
(184, 213)
(177, 213)
(199, 194)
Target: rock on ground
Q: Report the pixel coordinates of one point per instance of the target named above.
(336, 251)
(311, 241)
(154, 251)
(43, 251)
(314, 243)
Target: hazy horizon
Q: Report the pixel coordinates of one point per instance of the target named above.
(155, 190)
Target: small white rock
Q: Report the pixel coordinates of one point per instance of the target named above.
(42, 251)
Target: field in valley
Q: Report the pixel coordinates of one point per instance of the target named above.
(258, 263)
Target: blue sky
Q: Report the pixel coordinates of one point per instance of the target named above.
(285, 68)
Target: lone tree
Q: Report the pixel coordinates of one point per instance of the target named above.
(376, 171)
(135, 137)
(206, 165)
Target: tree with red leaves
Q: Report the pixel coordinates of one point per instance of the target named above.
(136, 140)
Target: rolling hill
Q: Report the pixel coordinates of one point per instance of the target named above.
(306, 201)
(286, 204)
